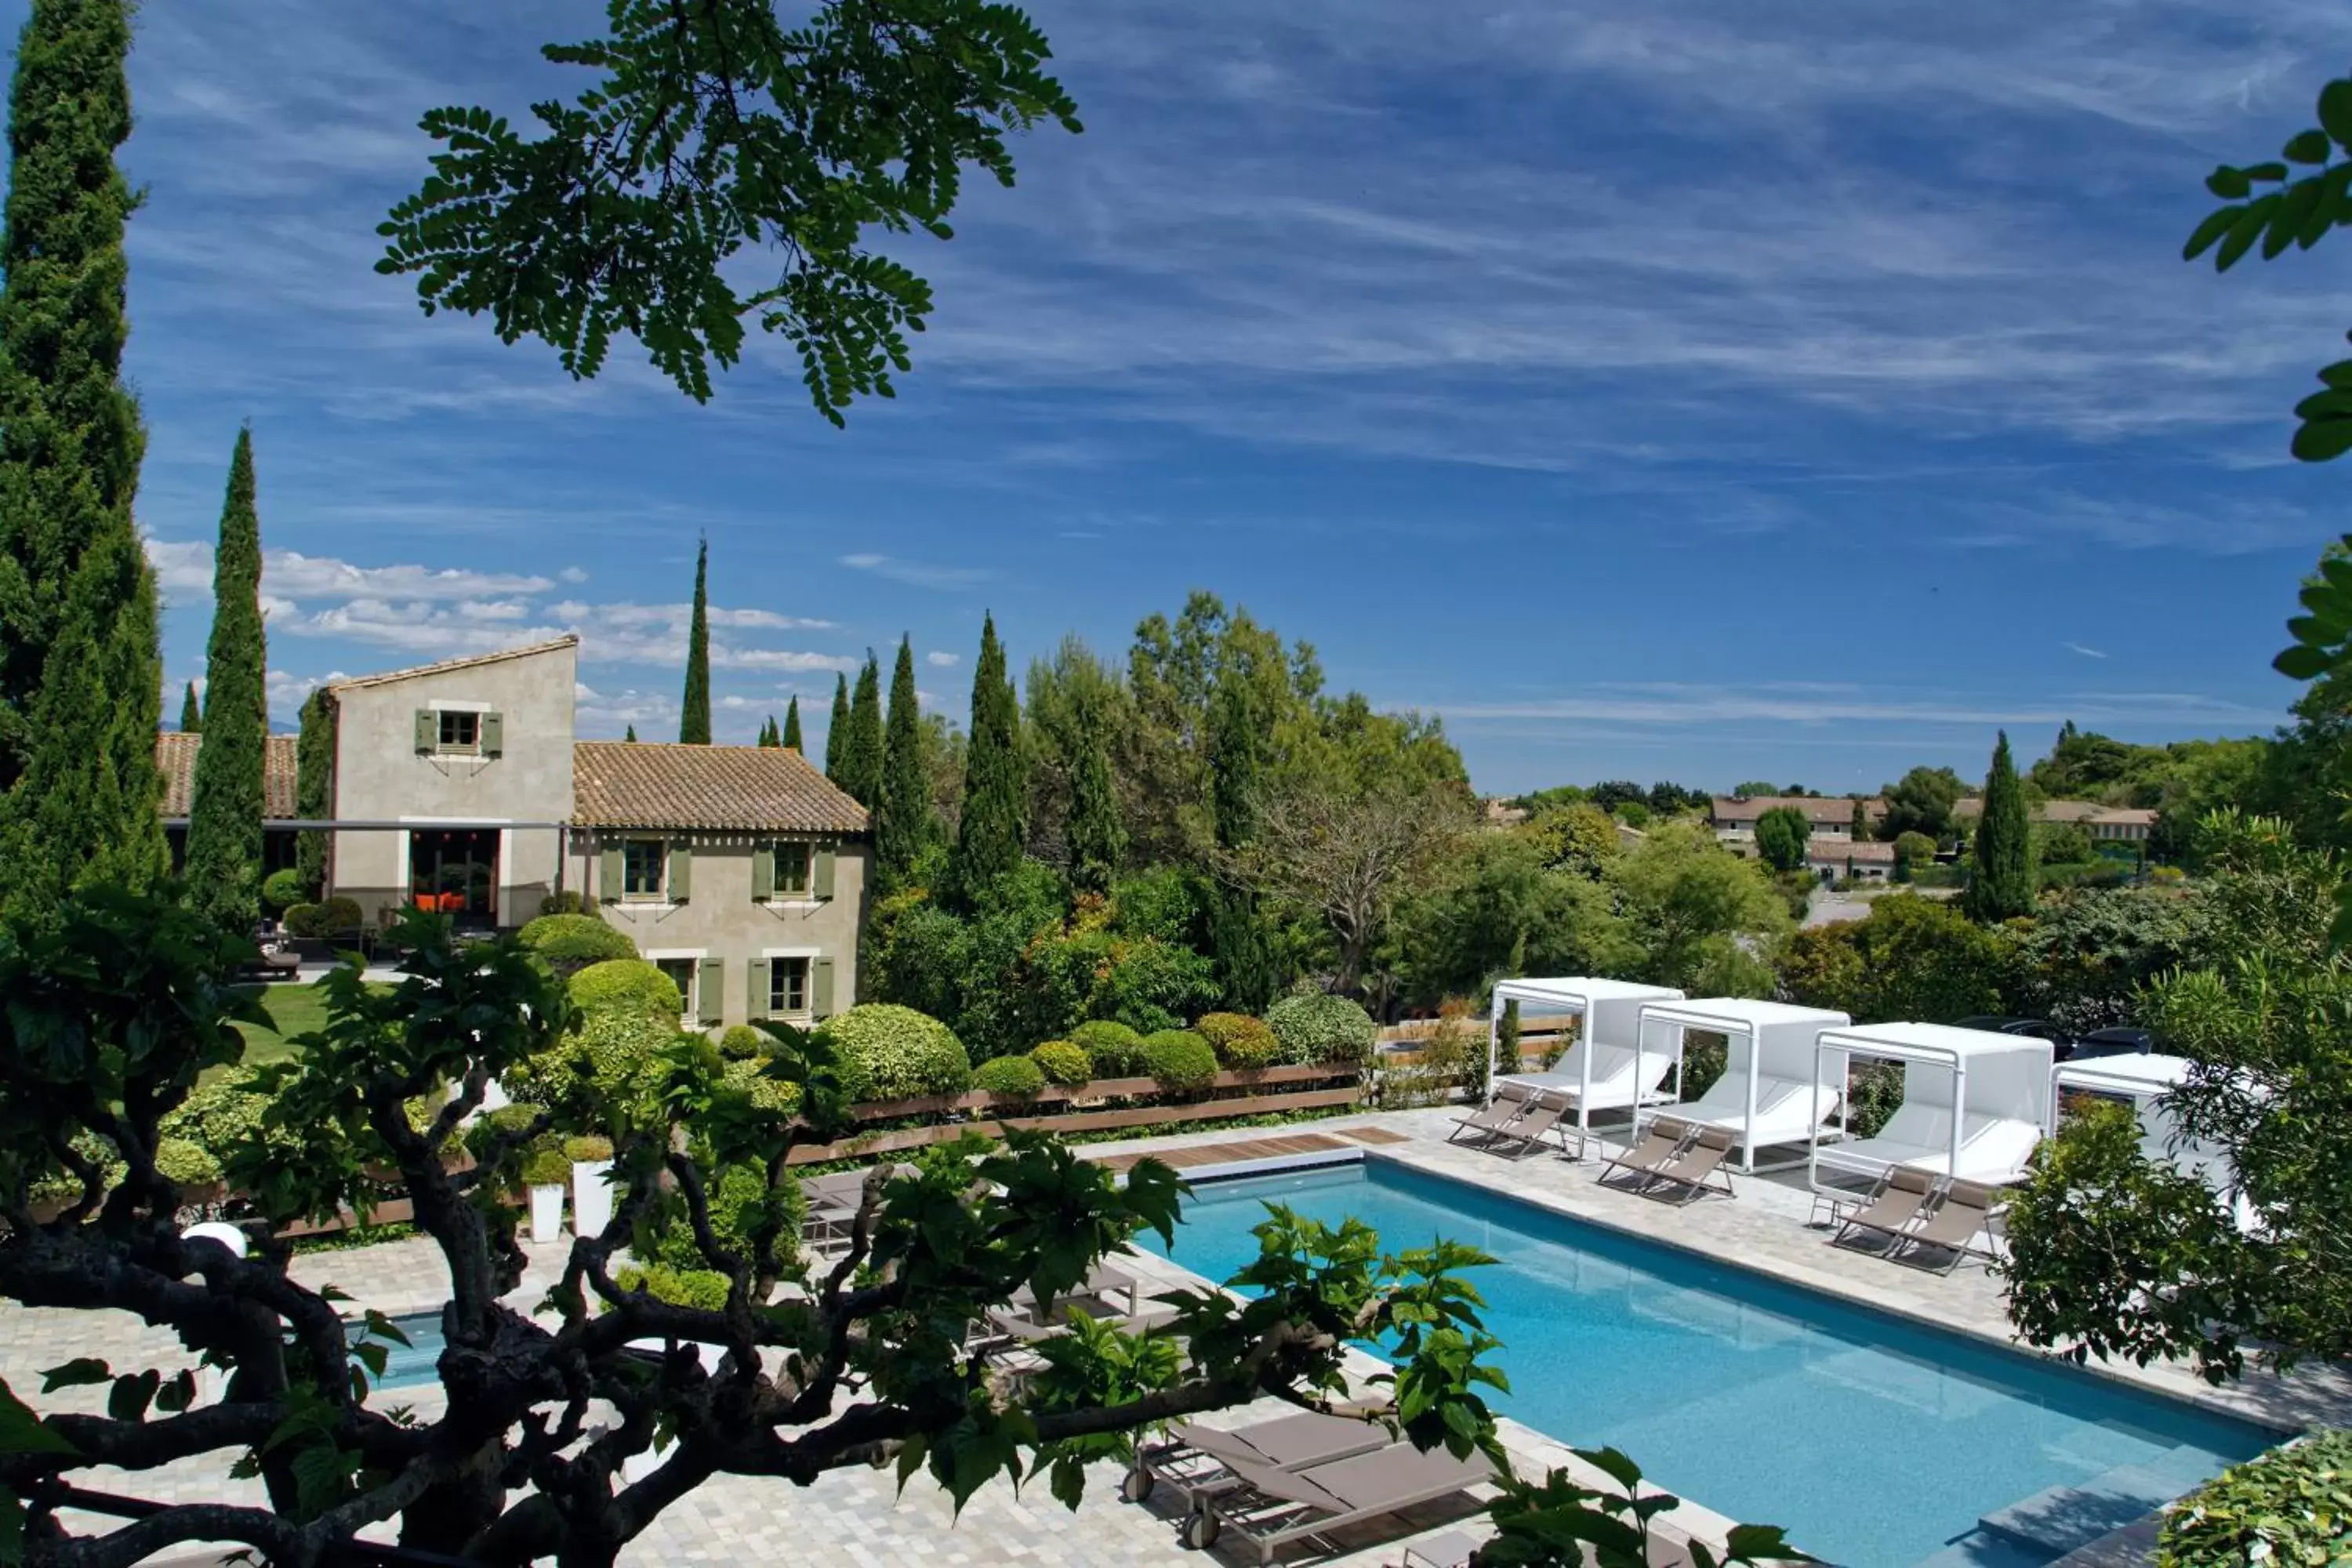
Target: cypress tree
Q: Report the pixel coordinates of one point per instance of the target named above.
(836, 729)
(768, 741)
(2001, 859)
(192, 718)
(694, 712)
(630, 734)
(991, 828)
(1237, 941)
(224, 861)
(1858, 827)
(1097, 839)
(314, 787)
(791, 740)
(902, 823)
(861, 744)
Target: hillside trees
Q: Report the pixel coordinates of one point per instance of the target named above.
(1781, 836)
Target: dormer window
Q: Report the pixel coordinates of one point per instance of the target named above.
(459, 729)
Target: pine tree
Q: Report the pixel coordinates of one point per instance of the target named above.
(2001, 859)
(768, 740)
(224, 859)
(902, 823)
(861, 744)
(790, 739)
(1858, 828)
(991, 826)
(694, 712)
(836, 729)
(1236, 935)
(80, 680)
(314, 787)
(1097, 839)
(630, 734)
(192, 718)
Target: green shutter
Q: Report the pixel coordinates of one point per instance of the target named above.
(755, 990)
(608, 875)
(710, 990)
(820, 880)
(494, 734)
(681, 871)
(821, 988)
(428, 731)
(764, 873)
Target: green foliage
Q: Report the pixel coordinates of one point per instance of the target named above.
(633, 986)
(340, 916)
(2000, 856)
(705, 1290)
(1916, 847)
(1557, 1523)
(1179, 1061)
(314, 768)
(1451, 1058)
(713, 131)
(587, 1149)
(2291, 1505)
(546, 1166)
(223, 864)
(887, 1052)
(742, 1042)
(1316, 1028)
(694, 707)
(1011, 1077)
(192, 717)
(743, 1210)
(1921, 802)
(991, 827)
(1781, 835)
(836, 729)
(1064, 1063)
(282, 890)
(2063, 843)
(1240, 1041)
(306, 920)
(1911, 959)
(861, 743)
(1116, 1050)
(2089, 955)
(573, 941)
(2322, 651)
(1096, 836)
(1688, 913)
(1166, 905)
(904, 822)
(186, 1161)
(1153, 985)
(789, 737)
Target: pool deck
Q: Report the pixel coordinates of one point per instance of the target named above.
(856, 1519)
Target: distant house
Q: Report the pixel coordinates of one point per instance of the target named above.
(1498, 811)
(1733, 818)
(2109, 823)
(1850, 860)
(175, 759)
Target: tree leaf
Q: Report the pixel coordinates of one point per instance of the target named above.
(2303, 663)
(2245, 231)
(133, 1391)
(2324, 440)
(2217, 224)
(2229, 184)
(2306, 147)
(2335, 111)
(21, 1431)
(74, 1373)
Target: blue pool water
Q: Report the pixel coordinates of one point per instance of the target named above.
(415, 1362)
(1873, 1441)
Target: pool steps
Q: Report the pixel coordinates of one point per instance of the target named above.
(2061, 1519)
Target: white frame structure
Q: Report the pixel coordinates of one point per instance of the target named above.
(2010, 1085)
(1601, 1005)
(2145, 1081)
(1774, 1034)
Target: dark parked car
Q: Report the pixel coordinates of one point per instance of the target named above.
(2119, 1040)
(2061, 1042)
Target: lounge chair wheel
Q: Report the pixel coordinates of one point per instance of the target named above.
(1201, 1530)
(1137, 1484)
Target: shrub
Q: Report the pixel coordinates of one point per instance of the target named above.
(567, 902)
(573, 941)
(587, 1149)
(738, 1199)
(1318, 1028)
(1179, 1060)
(306, 920)
(1064, 1063)
(629, 985)
(1012, 1078)
(1916, 847)
(1115, 1050)
(340, 917)
(545, 1166)
(705, 1289)
(1164, 904)
(750, 1076)
(887, 1052)
(1154, 985)
(1240, 1041)
(2290, 1506)
(1452, 1056)
(188, 1162)
(283, 889)
(742, 1042)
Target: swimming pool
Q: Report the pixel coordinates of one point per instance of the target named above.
(417, 1361)
(1875, 1442)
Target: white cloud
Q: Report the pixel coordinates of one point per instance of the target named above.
(916, 574)
(942, 661)
(1665, 704)
(2086, 652)
(572, 574)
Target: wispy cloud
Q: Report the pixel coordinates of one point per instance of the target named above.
(2086, 652)
(916, 574)
(942, 661)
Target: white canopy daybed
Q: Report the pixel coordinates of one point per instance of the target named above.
(1975, 1104)
(2144, 1081)
(1602, 1070)
(1771, 1095)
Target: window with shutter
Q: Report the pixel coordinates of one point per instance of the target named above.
(755, 989)
(681, 871)
(494, 734)
(710, 988)
(428, 731)
(609, 874)
(793, 870)
(821, 881)
(763, 874)
(821, 988)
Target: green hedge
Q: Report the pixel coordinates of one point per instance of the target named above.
(889, 1052)
(1179, 1060)
(1240, 1041)
(571, 941)
(283, 889)
(701, 1288)
(1316, 1029)
(1116, 1050)
(2292, 1506)
(1015, 1077)
(739, 1198)
(628, 984)
(1064, 1063)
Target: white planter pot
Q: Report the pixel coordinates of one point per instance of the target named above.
(592, 1197)
(546, 1213)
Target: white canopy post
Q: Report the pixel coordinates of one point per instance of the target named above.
(1975, 1103)
(1609, 1012)
(1771, 1092)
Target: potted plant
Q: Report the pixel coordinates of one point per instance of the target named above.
(544, 1172)
(591, 1194)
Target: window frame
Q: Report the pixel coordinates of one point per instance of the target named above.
(688, 994)
(447, 718)
(660, 849)
(781, 967)
(804, 888)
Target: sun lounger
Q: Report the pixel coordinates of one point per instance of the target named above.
(1964, 1213)
(1692, 1170)
(1511, 1103)
(1273, 1508)
(1527, 1135)
(1195, 1460)
(1659, 1143)
(1902, 1197)
(1450, 1549)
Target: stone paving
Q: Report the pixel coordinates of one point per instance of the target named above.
(858, 1518)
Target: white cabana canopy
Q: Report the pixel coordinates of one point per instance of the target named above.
(1975, 1103)
(1771, 1094)
(2145, 1081)
(1601, 1070)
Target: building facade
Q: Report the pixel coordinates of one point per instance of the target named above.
(1733, 818)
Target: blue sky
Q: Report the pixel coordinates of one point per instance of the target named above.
(1653, 388)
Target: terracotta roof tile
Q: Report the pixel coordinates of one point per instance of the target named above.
(1817, 809)
(175, 759)
(635, 784)
(1838, 851)
(468, 662)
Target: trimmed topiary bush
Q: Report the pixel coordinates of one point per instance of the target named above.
(305, 920)
(545, 1166)
(705, 1289)
(2290, 1506)
(1116, 1050)
(738, 1199)
(564, 903)
(570, 943)
(1240, 1041)
(887, 1052)
(340, 917)
(186, 1161)
(1316, 1029)
(1064, 1063)
(1179, 1060)
(1012, 1078)
(742, 1042)
(627, 985)
(587, 1149)
(282, 890)
(750, 1075)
